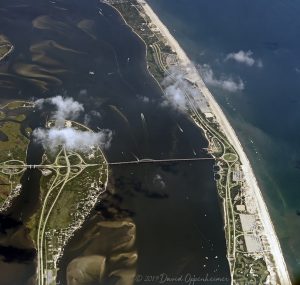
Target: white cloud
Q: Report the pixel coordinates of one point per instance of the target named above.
(66, 108)
(96, 114)
(158, 181)
(144, 99)
(88, 117)
(175, 98)
(176, 85)
(83, 92)
(224, 82)
(245, 57)
(259, 63)
(72, 139)
(174, 90)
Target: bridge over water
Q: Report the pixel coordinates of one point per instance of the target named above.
(137, 161)
(149, 160)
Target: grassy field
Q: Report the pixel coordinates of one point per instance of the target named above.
(230, 157)
(13, 147)
(16, 145)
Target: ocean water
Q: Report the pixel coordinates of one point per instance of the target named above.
(266, 113)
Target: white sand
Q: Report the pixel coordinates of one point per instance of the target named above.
(232, 137)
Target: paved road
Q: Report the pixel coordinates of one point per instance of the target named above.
(149, 160)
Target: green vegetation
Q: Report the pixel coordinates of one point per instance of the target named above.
(16, 145)
(235, 190)
(250, 271)
(70, 185)
(5, 187)
(2, 115)
(5, 46)
(230, 157)
(12, 150)
(154, 69)
(18, 105)
(157, 49)
(217, 147)
(19, 118)
(4, 49)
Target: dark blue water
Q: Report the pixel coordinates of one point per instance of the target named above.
(266, 114)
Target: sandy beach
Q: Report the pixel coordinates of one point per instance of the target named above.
(280, 265)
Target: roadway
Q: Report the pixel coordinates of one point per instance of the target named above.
(149, 160)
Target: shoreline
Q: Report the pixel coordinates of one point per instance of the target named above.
(269, 230)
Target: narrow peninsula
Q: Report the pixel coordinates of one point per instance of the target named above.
(253, 249)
